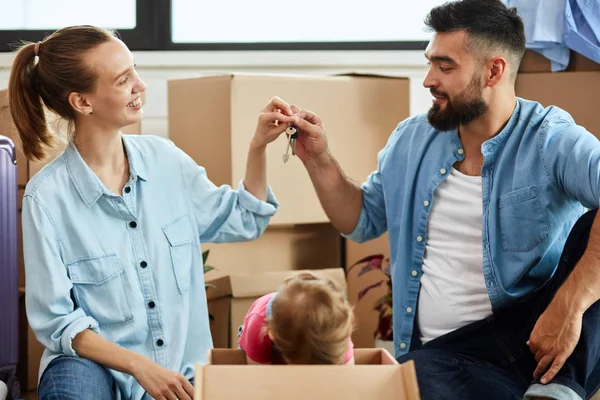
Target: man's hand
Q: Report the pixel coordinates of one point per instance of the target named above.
(554, 337)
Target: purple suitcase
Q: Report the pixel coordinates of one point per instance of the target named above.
(9, 291)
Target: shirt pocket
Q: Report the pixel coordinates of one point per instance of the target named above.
(99, 288)
(523, 223)
(180, 236)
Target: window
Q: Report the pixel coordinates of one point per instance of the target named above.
(311, 21)
(228, 24)
(31, 20)
(44, 14)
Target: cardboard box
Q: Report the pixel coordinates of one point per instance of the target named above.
(574, 92)
(366, 317)
(232, 296)
(376, 376)
(213, 119)
(535, 62)
(280, 248)
(30, 350)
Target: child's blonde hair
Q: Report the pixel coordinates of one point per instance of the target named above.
(311, 321)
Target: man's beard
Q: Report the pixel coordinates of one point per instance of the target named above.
(465, 108)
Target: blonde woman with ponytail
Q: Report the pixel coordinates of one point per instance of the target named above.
(112, 228)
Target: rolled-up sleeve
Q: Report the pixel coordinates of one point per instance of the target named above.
(222, 213)
(52, 314)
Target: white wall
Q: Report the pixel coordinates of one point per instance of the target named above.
(156, 68)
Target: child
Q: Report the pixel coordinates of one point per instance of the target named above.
(307, 321)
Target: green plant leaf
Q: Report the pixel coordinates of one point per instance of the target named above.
(205, 256)
(208, 268)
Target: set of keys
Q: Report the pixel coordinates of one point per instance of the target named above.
(292, 133)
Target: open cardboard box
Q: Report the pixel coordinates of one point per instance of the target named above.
(230, 297)
(376, 375)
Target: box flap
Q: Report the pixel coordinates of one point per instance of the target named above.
(256, 285)
(219, 286)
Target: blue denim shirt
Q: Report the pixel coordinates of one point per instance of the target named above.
(537, 173)
(129, 267)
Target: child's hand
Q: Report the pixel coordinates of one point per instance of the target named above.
(272, 122)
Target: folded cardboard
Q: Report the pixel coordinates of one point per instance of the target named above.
(230, 297)
(376, 376)
(213, 118)
(574, 92)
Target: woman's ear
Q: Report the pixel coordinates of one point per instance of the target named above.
(80, 103)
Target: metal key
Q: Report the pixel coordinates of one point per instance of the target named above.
(286, 155)
(292, 131)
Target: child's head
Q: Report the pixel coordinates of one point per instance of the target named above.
(310, 321)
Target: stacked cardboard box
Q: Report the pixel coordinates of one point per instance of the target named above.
(213, 118)
(30, 349)
(573, 90)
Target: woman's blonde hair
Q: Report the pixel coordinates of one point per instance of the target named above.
(311, 322)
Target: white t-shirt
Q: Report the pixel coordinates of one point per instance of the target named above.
(453, 292)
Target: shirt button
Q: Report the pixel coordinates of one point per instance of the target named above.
(159, 342)
(461, 151)
(151, 304)
(402, 345)
(414, 273)
(409, 310)
(133, 224)
(426, 203)
(442, 171)
(127, 189)
(143, 264)
(419, 238)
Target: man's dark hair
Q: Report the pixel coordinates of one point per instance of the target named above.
(489, 24)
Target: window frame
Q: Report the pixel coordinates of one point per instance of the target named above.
(153, 33)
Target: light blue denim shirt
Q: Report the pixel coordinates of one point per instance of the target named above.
(129, 267)
(552, 27)
(537, 173)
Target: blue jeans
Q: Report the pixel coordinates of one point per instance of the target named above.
(490, 360)
(73, 378)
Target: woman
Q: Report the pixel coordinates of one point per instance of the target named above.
(112, 228)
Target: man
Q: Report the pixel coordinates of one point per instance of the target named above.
(478, 197)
